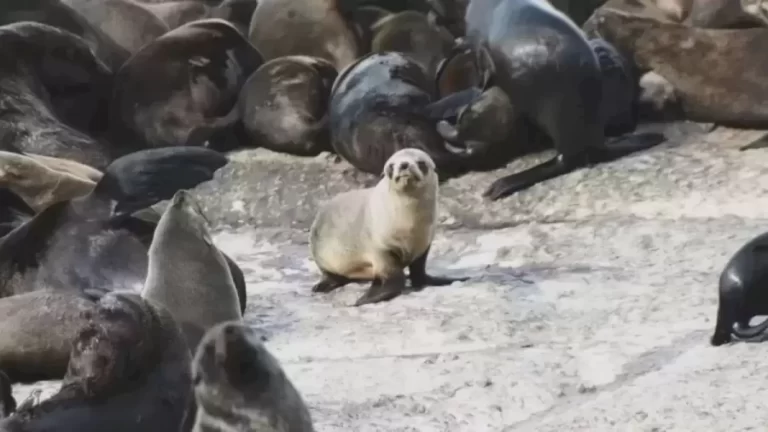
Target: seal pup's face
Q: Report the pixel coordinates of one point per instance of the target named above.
(184, 214)
(231, 364)
(409, 170)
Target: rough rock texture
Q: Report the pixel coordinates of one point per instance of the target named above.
(590, 306)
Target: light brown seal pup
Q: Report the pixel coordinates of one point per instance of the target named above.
(374, 233)
(241, 387)
(187, 274)
(128, 372)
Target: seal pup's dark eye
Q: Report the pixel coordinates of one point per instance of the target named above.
(197, 379)
(423, 167)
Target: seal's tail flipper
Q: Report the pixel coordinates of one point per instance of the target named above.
(510, 184)
(759, 143)
(144, 178)
(622, 146)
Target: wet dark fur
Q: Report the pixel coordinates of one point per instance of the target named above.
(93, 243)
(620, 89)
(233, 369)
(289, 88)
(710, 94)
(14, 211)
(38, 328)
(743, 293)
(7, 401)
(57, 14)
(380, 105)
(551, 74)
(50, 84)
(187, 79)
(128, 372)
(127, 22)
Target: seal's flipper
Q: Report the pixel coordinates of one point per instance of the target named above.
(622, 146)
(449, 106)
(239, 279)
(759, 143)
(144, 178)
(330, 282)
(417, 272)
(552, 168)
(7, 402)
(381, 291)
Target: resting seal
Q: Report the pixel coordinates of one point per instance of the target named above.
(182, 88)
(314, 28)
(383, 103)
(743, 293)
(374, 233)
(712, 94)
(51, 87)
(284, 105)
(240, 386)
(39, 185)
(560, 90)
(128, 371)
(38, 329)
(187, 274)
(93, 243)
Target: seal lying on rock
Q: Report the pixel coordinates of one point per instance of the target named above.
(93, 242)
(187, 274)
(743, 293)
(383, 103)
(374, 233)
(38, 329)
(128, 371)
(711, 94)
(241, 387)
(284, 105)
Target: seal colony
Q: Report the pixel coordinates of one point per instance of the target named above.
(109, 108)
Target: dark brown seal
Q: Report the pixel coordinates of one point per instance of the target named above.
(181, 88)
(711, 94)
(240, 385)
(128, 371)
(38, 329)
(284, 105)
(51, 87)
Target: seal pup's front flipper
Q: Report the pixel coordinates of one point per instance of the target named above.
(417, 272)
(144, 178)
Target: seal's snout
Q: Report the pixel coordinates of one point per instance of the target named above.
(180, 198)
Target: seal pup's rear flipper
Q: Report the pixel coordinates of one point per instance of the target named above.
(144, 178)
(759, 143)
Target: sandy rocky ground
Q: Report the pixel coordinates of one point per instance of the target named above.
(590, 306)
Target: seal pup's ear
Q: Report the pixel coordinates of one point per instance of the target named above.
(144, 178)
(388, 171)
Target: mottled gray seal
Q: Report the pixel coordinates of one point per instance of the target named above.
(93, 242)
(383, 103)
(374, 233)
(284, 105)
(182, 88)
(240, 386)
(38, 329)
(187, 273)
(128, 371)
